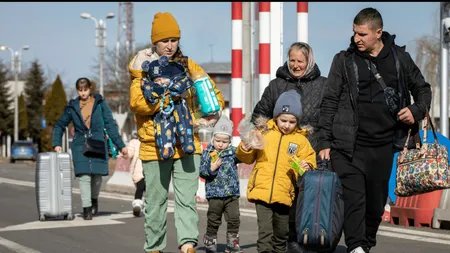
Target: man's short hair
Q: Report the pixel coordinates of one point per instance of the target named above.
(369, 16)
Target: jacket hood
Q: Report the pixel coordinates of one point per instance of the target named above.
(388, 41)
(284, 73)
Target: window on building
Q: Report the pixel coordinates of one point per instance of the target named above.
(223, 78)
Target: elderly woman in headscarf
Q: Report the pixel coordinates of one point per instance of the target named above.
(299, 73)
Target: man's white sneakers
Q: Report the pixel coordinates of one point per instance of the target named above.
(358, 250)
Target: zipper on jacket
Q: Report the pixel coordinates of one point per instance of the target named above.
(370, 81)
(275, 168)
(317, 205)
(352, 101)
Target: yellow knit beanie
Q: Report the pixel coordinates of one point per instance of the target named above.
(164, 26)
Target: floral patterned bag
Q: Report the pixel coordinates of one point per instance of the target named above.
(423, 169)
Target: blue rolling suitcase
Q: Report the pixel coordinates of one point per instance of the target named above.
(320, 210)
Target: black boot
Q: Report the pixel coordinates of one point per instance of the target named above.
(94, 206)
(87, 213)
(293, 247)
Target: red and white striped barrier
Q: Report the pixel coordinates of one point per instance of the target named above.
(387, 213)
(264, 46)
(302, 22)
(255, 88)
(276, 38)
(236, 68)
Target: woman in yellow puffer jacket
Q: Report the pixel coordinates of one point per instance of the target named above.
(157, 172)
(271, 183)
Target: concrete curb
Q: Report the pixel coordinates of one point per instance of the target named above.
(116, 185)
(120, 182)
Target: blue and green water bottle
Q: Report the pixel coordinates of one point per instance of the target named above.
(207, 98)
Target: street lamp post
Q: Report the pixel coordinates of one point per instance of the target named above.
(100, 40)
(16, 68)
(444, 32)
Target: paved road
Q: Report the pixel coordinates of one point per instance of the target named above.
(116, 230)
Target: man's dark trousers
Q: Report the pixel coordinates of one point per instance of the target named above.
(365, 178)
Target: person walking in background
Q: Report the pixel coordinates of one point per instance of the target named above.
(137, 174)
(90, 115)
(184, 168)
(218, 166)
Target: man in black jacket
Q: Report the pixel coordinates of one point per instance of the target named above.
(362, 124)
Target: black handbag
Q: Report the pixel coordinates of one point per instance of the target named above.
(392, 97)
(94, 148)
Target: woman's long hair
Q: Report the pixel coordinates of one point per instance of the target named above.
(178, 57)
(307, 51)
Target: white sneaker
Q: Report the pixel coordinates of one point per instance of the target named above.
(137, 205)
(358, 250)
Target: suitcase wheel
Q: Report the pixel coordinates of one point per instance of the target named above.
(68, 217)
(42, 217)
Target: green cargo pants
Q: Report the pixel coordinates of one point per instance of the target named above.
(185, 173)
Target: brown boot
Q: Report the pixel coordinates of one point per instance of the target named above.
(154, 251)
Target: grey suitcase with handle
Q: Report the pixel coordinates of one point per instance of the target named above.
(54, 186)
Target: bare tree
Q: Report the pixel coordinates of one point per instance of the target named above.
(117, 78)
(427, 59)
(428, 51)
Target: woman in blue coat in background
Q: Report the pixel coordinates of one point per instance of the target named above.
(90, 113)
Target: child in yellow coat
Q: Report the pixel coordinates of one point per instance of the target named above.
(271, 183)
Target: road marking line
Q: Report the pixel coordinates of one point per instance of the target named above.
(404, 233)
(118, 196)
(414, 232)
(15, 247)
(413, 237)
(51, 224)
(104, 219)
(16, 182)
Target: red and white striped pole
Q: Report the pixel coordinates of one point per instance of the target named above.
(264, 46)
(255, 90)
(302, 22)
(236, 68)
(276, 42)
